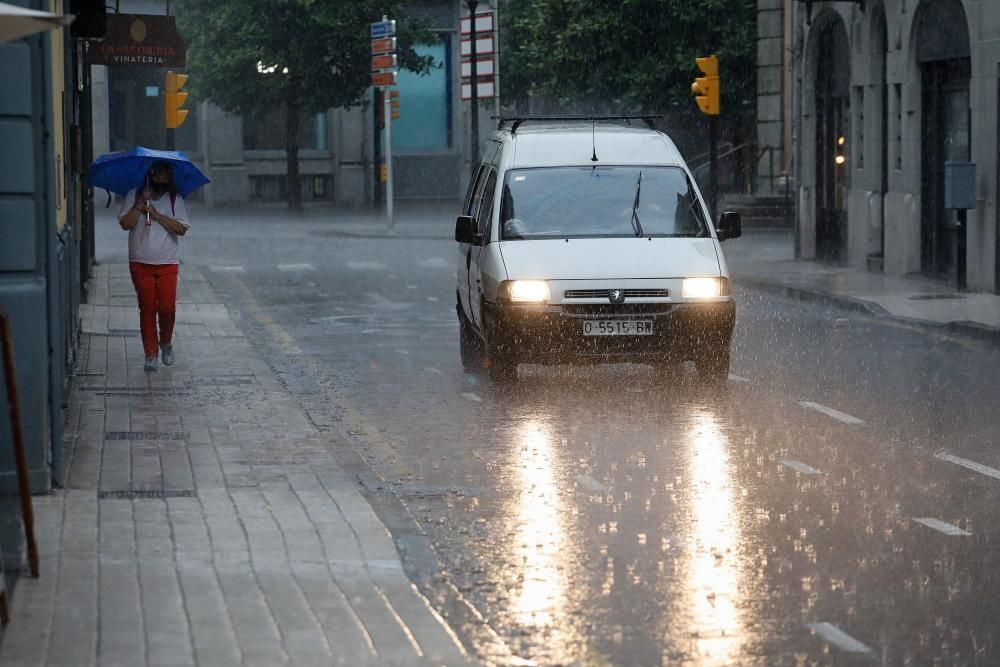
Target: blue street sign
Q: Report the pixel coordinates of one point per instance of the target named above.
(383, 29)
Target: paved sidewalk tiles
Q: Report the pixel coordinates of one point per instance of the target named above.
(204, 519)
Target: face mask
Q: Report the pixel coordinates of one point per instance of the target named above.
(159, 188)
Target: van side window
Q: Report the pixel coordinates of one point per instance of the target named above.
(474, 183)
(485, 213)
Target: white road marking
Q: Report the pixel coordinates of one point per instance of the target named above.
(802, 467)
(971, 465)
(402, 351)
(469, 396)
(830, 412)
(432, 298)
(296, 267)
(229, 269)
(590, 484)
(937, 524)
(839, 638)
(365, 266)
(434, 371)
(738, 378)
(411, 287)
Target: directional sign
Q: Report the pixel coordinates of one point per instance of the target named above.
(484, 67)
(383, 79)
(484, 23)
(386, 61)
(485, 90)
(383, 29)
(383, 45)
(484, 45)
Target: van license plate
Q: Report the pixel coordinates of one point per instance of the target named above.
(618, 327)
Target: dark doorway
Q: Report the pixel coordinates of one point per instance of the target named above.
(946, 130)
(946, 135)
(833, 75)
(880, 51)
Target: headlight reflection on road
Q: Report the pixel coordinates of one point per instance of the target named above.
(540, 534)
(712, 573)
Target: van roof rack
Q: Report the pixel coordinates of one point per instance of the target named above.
(516, 121)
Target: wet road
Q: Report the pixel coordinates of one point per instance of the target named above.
(836, 504)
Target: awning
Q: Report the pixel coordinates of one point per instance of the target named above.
(17, 22)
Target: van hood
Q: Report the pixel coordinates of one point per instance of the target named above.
(617, 258)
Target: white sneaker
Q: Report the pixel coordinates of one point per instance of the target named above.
(167, 354)
(152, 363)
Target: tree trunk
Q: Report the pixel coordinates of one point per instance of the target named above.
(292, 121)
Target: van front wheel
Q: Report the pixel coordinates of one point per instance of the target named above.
(713, 367)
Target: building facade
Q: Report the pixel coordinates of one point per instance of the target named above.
(43, 261)
(244, 156)
(890, 97)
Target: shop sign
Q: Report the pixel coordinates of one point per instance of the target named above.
(140, 40)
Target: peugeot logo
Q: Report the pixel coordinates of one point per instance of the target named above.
(616, 296)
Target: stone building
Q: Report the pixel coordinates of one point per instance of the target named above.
(887, 95)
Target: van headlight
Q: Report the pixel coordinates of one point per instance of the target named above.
(700, 288)
(525, 291)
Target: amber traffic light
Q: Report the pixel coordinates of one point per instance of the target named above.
(706, 88)
(394, 103)
(173, 99)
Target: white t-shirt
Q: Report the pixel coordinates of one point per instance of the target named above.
(152, 243)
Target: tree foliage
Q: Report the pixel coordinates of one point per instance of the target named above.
(315, 54)
(625, 55)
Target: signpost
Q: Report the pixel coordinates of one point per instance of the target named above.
(383, 68)
(477, 50)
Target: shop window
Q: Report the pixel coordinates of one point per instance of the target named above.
(275, 187)
(135, 111)
(424, 121)
(266, 131)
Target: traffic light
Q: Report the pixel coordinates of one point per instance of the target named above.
(394, 103)
(173, 99)
(706, 88)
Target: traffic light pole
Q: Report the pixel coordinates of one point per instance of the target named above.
(387, 110)
(171, 139)
(713, 166)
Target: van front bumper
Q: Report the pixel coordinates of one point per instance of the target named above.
(555, 333)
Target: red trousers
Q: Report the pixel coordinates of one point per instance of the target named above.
(156, 289)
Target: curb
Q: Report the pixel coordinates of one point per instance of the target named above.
(964, 328)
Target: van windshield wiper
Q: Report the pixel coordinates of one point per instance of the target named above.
(635, 207)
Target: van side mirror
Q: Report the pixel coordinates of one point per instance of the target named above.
(465, 229)
(730, 226)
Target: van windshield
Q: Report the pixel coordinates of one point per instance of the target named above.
(599, 202)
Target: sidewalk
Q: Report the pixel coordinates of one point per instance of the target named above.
(205, 519)
(765, 258)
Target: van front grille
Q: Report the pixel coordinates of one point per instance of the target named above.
(615, 309)
(603, 293)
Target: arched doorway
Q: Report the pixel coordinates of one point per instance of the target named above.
(942, 50)
(833, 78)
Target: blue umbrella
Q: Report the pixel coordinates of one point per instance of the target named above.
(125, 170)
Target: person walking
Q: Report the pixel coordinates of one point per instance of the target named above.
(154, 218)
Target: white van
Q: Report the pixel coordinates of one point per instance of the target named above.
(587, 240)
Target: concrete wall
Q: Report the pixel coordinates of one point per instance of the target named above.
(771, 92)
